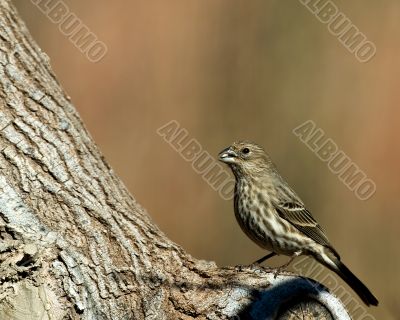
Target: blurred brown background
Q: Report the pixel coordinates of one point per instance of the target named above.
(243, 69)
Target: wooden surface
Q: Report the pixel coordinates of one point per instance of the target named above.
(309, 309)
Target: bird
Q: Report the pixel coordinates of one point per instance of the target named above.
(273, 216)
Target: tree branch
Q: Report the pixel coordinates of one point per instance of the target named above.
(74, 244)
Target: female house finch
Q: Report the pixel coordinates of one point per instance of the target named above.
(272, 215)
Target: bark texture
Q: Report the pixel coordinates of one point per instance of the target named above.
(74, 244)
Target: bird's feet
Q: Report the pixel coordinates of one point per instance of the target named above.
(265, 258)
(241, 267)
(279, 270)
(284, 266)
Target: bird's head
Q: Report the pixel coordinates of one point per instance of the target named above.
(246, 158)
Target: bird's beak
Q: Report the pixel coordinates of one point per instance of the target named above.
(227, 155)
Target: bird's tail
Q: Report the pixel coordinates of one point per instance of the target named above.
(342, 271)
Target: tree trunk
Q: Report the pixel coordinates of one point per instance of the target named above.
(74, 244)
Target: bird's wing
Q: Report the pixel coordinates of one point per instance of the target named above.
(301, 218)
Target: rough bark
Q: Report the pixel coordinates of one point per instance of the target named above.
(74, 244)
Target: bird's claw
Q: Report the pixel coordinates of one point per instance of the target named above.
(278, 271)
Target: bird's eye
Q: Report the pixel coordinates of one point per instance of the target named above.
(245, 150)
